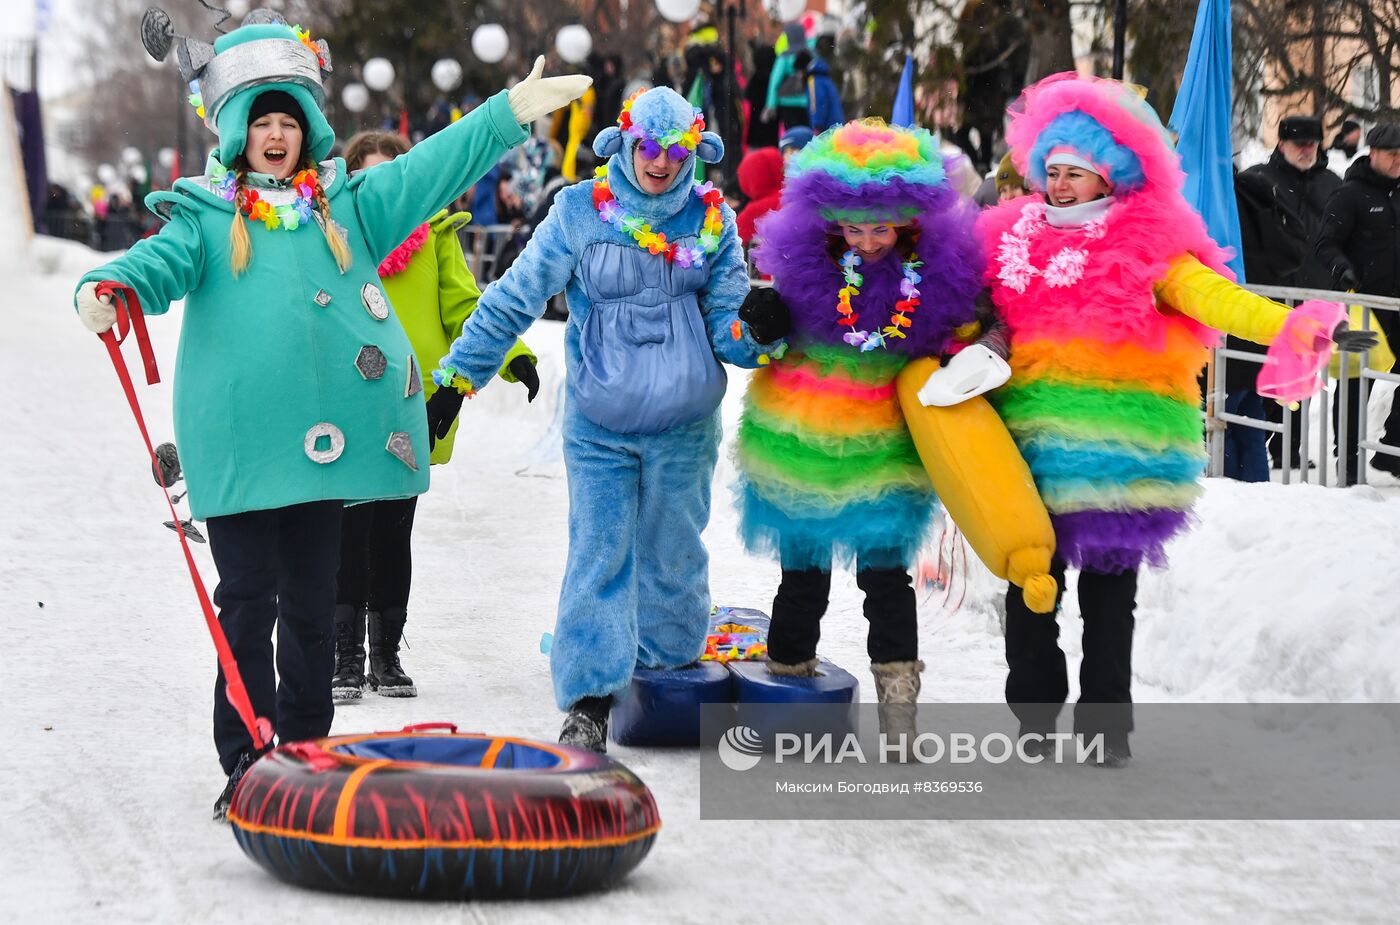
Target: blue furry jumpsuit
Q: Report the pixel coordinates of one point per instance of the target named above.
(644, 342)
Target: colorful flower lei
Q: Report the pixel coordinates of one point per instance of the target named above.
(678, 143)
(899, 319)
(290, 217)
(611, 212)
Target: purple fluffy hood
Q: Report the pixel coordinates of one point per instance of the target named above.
(832, 180)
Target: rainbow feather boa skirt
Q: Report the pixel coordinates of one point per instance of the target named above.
(828, 470)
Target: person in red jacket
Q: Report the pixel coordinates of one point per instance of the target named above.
(761, 179)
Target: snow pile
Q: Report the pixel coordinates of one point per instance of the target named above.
(16, 228)
(1281, 593)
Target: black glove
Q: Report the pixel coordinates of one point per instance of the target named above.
(442, 411)
(1349, 341)
(766, 314)
(524, 372)
(1346, 278)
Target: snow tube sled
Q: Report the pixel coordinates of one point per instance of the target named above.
(443, 816)
(980, 477)
(662, 707)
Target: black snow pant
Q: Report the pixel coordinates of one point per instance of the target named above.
(890, 608)
(1036, 681)
(277, 570)
(376, 555)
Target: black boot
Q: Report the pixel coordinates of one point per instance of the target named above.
(586, 726)
(347, 686)
(245, 761)
(385, 673)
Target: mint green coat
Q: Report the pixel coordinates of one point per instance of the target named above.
(276, 367)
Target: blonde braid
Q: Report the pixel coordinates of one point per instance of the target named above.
(334, 239)
(240, 247)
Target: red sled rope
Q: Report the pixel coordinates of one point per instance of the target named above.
(130, 320)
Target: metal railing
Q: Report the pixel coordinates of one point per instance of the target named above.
(484, 245)
(1217, 418)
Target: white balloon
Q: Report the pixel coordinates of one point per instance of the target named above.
(166, 157)
(131, 155)
(355, 97)
(573, 43)
(106, 174)
(678, 10)
(788, 10)
(138, 173)
(490, 43)
(447, 74)
(378, 74)
(236, 8)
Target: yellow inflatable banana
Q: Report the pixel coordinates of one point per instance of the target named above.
(984, 483)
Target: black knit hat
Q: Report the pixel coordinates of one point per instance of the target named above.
(276, 101)
(1385, 136)
(1300, 128)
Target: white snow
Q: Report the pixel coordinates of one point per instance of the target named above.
(108, 772)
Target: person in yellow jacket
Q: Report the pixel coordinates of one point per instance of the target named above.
(1112, 293)
(432, 292)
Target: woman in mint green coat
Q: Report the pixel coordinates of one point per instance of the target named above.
(433, 293)
(296, 390)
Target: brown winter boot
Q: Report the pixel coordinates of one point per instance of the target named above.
(897, 686)
(807, 669)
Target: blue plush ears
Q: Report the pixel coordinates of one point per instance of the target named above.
(710, 149)
(608, 142)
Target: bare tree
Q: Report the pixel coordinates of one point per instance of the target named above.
(1318, 48)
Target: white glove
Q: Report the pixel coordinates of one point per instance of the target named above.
(537, 96)
(97, 311)
(974, 371)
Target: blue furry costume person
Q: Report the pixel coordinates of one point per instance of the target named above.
(648, 328)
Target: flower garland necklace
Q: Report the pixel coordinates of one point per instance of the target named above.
(610, 211)
(289, 216)
(899, 319)
(1063, 270)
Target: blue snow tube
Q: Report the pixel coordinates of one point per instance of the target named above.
(661, 707)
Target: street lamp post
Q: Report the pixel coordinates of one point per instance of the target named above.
(1120, 29)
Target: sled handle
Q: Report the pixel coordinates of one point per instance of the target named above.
(449, 728)
(316, 757)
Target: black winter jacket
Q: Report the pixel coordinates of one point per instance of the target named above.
(1361, 230)
(1281, 210)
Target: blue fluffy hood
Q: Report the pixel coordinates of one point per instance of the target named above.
(656, 111)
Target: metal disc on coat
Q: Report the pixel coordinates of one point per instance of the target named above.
(314, 435)
(374, 300)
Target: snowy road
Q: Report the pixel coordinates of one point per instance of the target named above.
(108, 772)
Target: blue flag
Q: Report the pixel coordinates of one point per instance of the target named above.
(1201, 120)
(903, 114)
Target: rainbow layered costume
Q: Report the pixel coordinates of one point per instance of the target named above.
(1110, 323)
(828, 471)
